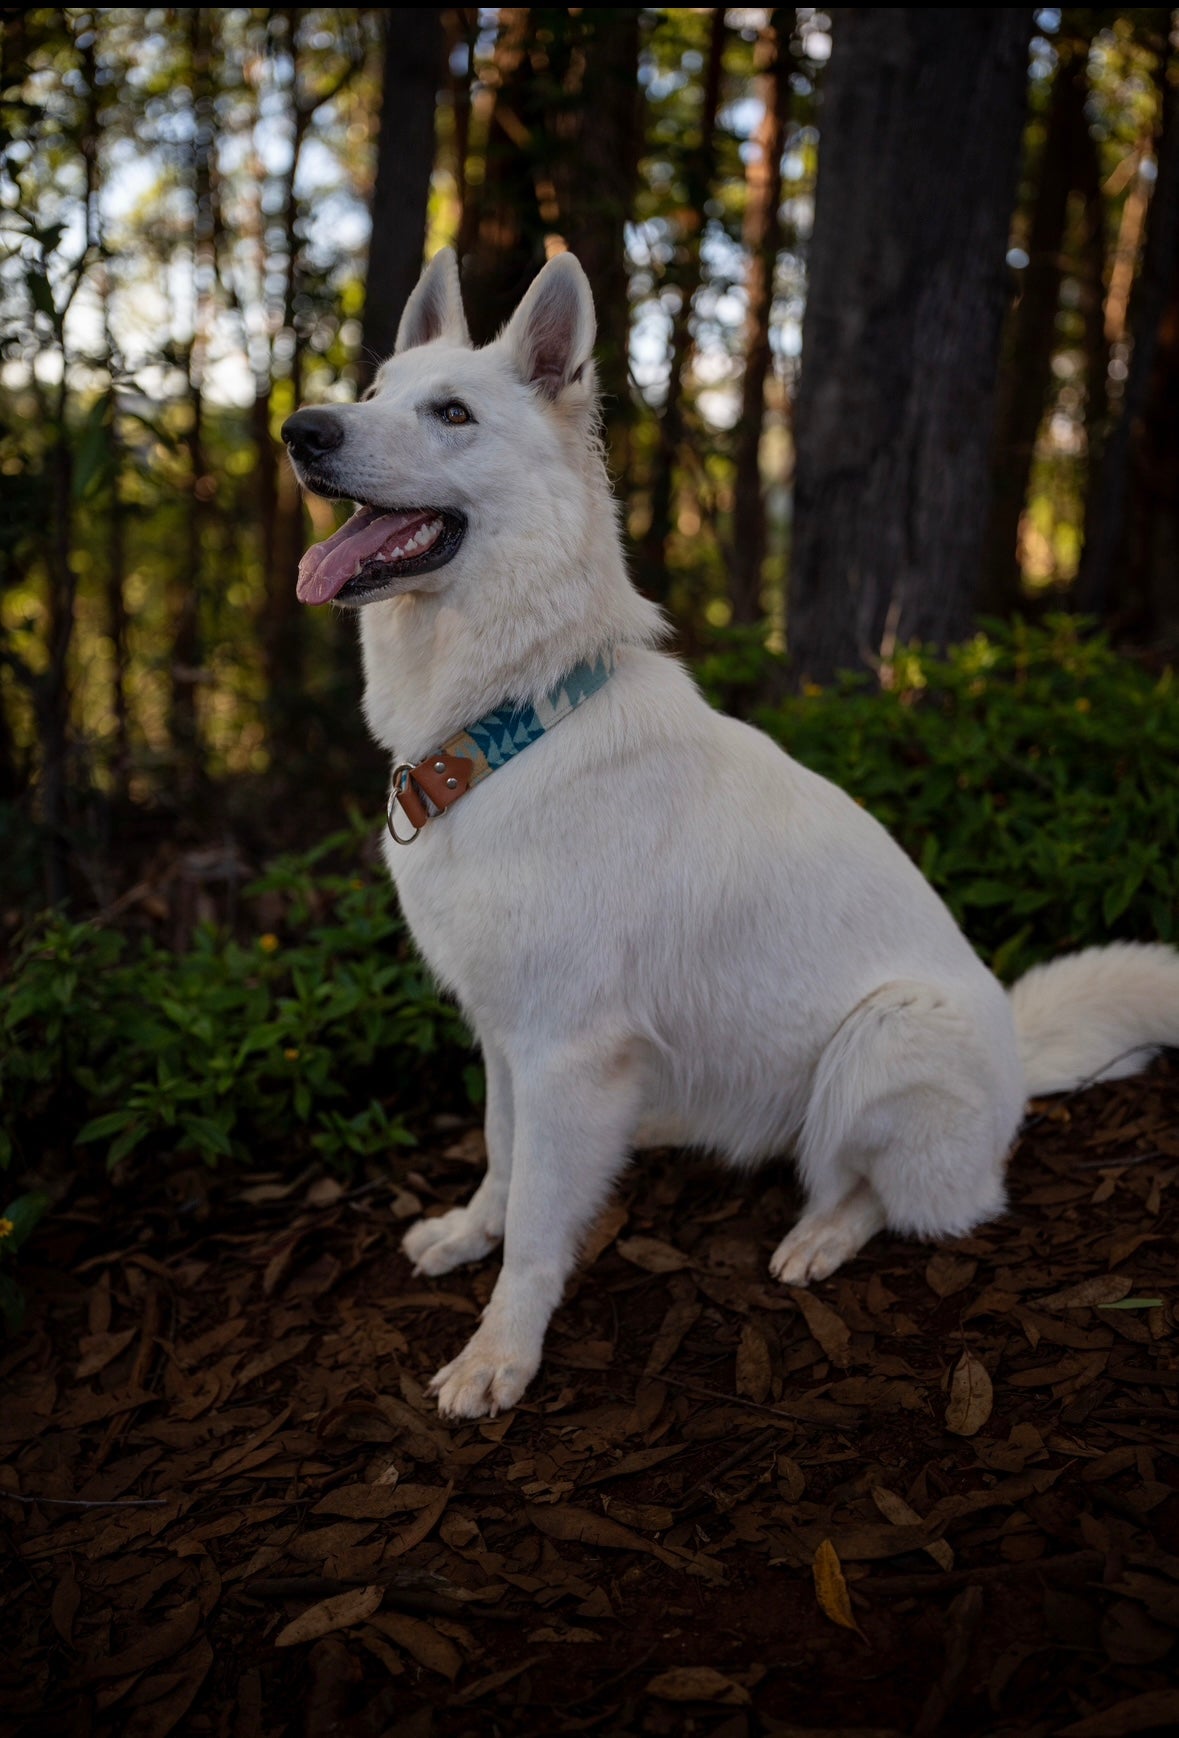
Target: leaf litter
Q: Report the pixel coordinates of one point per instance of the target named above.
(937, 1492)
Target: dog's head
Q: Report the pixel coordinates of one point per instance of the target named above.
(455, 449)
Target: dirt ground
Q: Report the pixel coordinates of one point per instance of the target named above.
(937, 1494)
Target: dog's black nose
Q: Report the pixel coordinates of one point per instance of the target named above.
(312, 433)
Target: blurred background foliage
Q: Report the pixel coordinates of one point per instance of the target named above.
(889, 341)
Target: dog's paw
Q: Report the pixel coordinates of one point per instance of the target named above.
(435, 1246)
(812, 1252)
(483, 1381)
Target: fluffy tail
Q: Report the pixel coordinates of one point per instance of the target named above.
(1096, 1015)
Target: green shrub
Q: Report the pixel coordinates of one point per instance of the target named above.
(315, 1040)
(1033, 775)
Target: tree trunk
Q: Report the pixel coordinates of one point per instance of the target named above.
(508, 227)
(282, 502)
(685, 275)
(921, 123)
(602, 200)
(1027, 365)
(183, 719)
(413, 68)
(1104, 557)
(762, 234)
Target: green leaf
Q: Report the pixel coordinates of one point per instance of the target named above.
(101, 1126)
(1134, 1303)
(24, 1214)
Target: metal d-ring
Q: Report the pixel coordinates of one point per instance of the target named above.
(400, 772)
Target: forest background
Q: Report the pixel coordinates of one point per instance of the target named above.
(888, 309)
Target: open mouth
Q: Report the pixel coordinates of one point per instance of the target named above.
(378, 553)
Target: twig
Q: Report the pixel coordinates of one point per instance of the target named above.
(685, 1509)
(95, 1503)
(1071, 1564)
(1081, 1086)
(283, 1587)
(783, 1411)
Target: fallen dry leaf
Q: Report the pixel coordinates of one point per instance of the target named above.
(1154, 1710)
(421, 1641)
(827, 1326)
(946, 1274)
(1104, 1288)
(899, 1512)
(831, 1588)
(697, 1684)
(971, 1396)
(340, 1611)
(753, 1364)
(652, 1254)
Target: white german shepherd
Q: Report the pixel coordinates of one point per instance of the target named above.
(662, 929)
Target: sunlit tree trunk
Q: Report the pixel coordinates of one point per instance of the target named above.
(685, 275)
(52, 689)
(762, 232)
(921, 122)
(601, 200)
(1101, 587)
(1027, 370)
(183, 717)
(413, 68)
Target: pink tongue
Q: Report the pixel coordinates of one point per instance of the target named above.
(328, 566)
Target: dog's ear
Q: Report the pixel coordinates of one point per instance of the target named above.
(435, 309)
(552, 332)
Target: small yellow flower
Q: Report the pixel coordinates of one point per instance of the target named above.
(356, 884)
(812, 690)
(1084, 704)
(6, 1229)
(268, 943)
(291, 1055)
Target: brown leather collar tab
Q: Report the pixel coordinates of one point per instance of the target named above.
(441, 777)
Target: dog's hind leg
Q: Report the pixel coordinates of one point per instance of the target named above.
(469, 1233)
(826, 1237)
(575, 1113)
(913, 1105)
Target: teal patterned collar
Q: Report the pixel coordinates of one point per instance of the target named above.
(430, 787)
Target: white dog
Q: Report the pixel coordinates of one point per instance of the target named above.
(662, 929)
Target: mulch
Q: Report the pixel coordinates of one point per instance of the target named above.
(939, 1493)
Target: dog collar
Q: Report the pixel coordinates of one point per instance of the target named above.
(438, 781)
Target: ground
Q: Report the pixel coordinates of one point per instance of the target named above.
(937, 1493)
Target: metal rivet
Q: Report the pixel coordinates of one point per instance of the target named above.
(452, 784)
(439, 766)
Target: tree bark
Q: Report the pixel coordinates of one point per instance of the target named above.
(1103, 559)
(685, 275)
(921, 124)
(601, 201)
(183, 718)
(762, 235)
(414, 52)
(508, 228)
(1027, 366)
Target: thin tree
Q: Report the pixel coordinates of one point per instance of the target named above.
(1098, 590)
(1028, 351)
(921, 124)
(685, 275)
(187, 586)
(762, 235)
(412, 55)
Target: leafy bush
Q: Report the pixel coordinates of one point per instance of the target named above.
(1033, 775)
(315, 1040)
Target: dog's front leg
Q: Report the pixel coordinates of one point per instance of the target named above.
(574, 1115)
(469, 1233)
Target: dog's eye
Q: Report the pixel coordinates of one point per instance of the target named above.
(454, 413)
